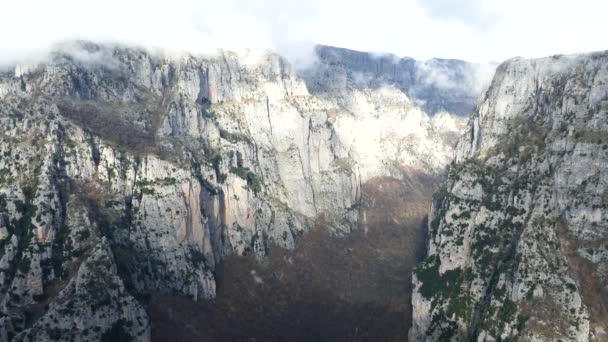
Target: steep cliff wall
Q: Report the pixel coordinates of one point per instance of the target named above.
(519, 232)
(158, 167)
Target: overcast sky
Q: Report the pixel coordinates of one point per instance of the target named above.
(476, 30)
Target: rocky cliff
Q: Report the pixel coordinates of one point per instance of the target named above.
(124, 172)
(436, 85)
(518, 246)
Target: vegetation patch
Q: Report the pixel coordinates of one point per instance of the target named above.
(253, 182)
(234, 137)
(439, 287)
(22, 227)
(105, 120)
(117, 333)
(196, 170)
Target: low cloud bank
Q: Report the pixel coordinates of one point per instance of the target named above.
(32, 29)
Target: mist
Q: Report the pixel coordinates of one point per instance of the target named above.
(472, 30)
(176, 27)
(474, 76)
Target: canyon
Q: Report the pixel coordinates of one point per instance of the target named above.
(134, 182)
(235, 196)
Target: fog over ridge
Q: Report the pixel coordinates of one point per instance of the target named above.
(472, 30)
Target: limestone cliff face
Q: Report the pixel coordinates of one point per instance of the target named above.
(436, 85)
(154, 168)
(518, 234)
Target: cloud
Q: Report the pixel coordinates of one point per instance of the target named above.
(482, 75)
(84, 53)
(32, 27)
(433, 75)
(456, 76)
(470, 12)
(475, 30)
(301, 55)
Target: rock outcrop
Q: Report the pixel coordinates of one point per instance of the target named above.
(518, 245)
(145, 171)
(93, 306)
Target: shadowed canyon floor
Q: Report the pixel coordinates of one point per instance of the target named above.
(350, 288)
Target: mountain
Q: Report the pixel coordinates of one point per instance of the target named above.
(518, 234)
(436, 85)
(128, 177)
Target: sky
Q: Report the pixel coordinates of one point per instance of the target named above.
(474, 30)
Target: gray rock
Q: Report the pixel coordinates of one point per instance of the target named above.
(436, 85)
(156, 168)
(518, 232)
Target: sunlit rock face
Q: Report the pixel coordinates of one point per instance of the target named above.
(519, 232)
(158, 167)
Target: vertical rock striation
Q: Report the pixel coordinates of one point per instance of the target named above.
(141, 172)
(518, 245)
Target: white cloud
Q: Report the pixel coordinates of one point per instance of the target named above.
(472, 12)
(477, 30)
